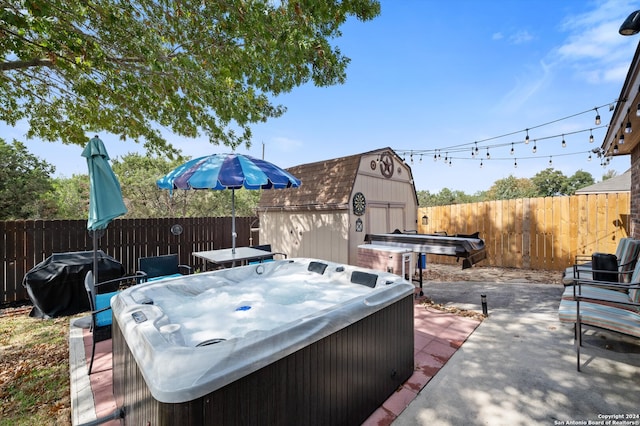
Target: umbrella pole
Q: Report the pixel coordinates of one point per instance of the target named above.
(95, 257)
(233, 221)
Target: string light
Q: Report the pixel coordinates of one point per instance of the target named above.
(421, 158)
(627, 127)
(480, 163)
(638, 111)
(515, 163)
(597, 117)
(478, 144)
(589, 158)
(550, 162)
(615, 149)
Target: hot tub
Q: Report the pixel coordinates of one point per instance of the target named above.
(297, 341)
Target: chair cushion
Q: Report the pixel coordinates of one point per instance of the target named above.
(102, 301)
(584, 272)
(597, 293)
(627, 260)
(602, 316)
(163, 277)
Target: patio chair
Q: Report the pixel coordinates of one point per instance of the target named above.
(602, 313)
(611, 292)
(266, 247)
(100, 295)
(584, 268)
(161, 267)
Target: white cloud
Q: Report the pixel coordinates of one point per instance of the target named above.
(593, 48)
(497, 36)
(520, 37)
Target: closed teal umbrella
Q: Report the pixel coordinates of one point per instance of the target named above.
(105, 195)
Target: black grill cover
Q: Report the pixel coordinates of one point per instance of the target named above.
(56, 285)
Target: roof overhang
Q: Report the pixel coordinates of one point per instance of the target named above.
(626, 110)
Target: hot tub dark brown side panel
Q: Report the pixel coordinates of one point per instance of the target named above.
(339, 380)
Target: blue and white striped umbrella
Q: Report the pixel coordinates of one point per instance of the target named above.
(228, 171)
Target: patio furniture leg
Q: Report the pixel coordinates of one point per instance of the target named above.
(93, 352)
(578, 340)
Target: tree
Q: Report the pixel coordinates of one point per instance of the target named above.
(446, 197)
(550, 182)
(70, 196)
(24, 180)
(578, 180)
(510, 188)
(196, 67)
(609, 174)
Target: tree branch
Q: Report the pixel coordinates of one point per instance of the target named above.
(38, 62)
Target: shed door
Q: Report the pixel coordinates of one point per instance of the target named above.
(377, 222)
(385, 219)
(396, 219)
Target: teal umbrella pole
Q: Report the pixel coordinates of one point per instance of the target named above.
(105, 194)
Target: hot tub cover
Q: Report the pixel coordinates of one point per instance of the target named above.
(56, 285)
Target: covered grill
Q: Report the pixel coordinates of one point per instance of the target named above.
(469, 247)
(56, 285)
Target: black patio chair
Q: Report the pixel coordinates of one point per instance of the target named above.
(266, 247)
(164, 266)
(100, 295)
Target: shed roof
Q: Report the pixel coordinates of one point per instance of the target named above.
(326, 183)
(621, 183)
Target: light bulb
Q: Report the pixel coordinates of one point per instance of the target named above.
(621, 140)
(526, 139)
(535, 148)
(590, 136)
(615, 149)
(597, 117)
(627, 128)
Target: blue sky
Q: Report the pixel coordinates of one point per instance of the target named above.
(429, 74)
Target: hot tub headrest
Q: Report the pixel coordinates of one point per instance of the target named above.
(364, 278)
(317, 267)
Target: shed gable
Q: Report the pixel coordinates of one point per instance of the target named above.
(325, 185)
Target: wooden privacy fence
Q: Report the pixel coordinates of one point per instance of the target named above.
(536, 233)
(28, 242)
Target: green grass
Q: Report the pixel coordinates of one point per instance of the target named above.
(34, 371)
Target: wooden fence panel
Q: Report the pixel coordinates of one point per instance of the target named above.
(27, 243)
(536, 233)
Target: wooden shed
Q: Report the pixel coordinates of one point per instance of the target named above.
(339, 202)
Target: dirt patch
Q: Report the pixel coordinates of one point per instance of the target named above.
(489, 274)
